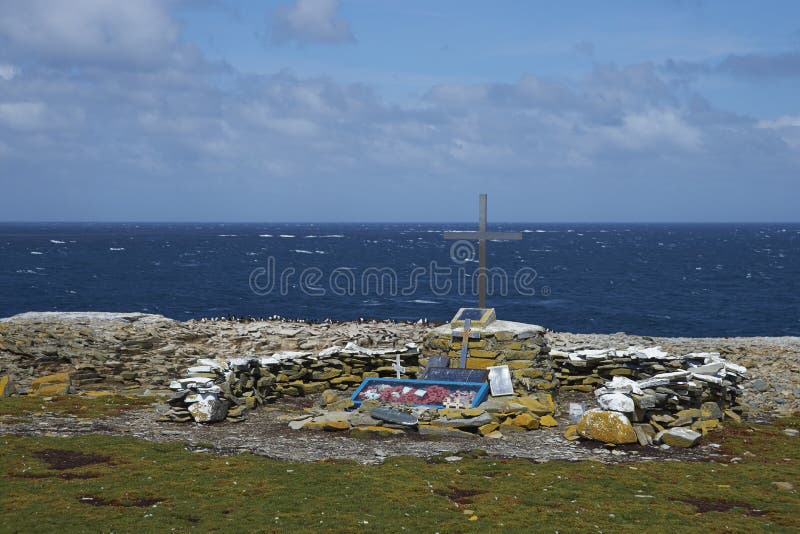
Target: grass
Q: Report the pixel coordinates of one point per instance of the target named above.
(106, 483)
(18, 407)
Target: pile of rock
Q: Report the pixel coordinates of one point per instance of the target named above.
(522, 347)
(214, 390)
(675, 407)
(492, 419)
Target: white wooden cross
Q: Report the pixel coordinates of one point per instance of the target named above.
(398, 367)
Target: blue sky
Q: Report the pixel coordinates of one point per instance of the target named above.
(365, 110)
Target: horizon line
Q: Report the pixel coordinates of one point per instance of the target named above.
(389, 222)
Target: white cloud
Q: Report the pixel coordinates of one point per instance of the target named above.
(8, 72)
(654, 129)
(89, 31)
(787, 127)
(307, 21)
(23, 115)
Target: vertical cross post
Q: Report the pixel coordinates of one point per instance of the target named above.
(482, 252)
(465, 343)
(482, 235)
(398, 367)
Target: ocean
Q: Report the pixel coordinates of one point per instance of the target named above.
(652, 279)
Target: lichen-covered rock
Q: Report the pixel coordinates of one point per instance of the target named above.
(56, 384)
(605, 426)
(7, 387)
(548, 421)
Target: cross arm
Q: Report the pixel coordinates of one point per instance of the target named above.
(502, 236)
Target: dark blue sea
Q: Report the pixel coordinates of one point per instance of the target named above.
(655, 279)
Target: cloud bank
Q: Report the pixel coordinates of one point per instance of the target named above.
(150, 129)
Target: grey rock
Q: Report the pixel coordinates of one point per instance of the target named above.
(679, 437)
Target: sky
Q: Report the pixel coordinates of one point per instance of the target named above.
(390, 110)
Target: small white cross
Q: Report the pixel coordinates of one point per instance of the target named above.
(398, 367)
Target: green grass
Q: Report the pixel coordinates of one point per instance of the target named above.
(140, 486)
(17, 407)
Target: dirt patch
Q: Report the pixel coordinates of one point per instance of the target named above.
(712, 505)
(460, 496)
(62, 459)
(62, 476)
(136, 502)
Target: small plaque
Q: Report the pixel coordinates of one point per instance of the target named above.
(500, 380)
(479, 317)
(445, 374)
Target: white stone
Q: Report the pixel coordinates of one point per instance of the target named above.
(616, 402)
(330, 351)
(623, 384)
(200, 369)
(209, 411)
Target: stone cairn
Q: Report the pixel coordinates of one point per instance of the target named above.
(522, 347)
(649, 396)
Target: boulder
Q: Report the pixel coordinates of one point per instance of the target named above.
(605, 426)
(209, 409)
(679, 437)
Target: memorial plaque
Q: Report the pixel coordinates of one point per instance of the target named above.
(433, 363)
(456, 375)
(479, 317)
(500, 380)
(473, 314)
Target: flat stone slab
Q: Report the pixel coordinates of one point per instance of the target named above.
(394, 416)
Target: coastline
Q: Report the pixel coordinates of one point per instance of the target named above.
(137, 351)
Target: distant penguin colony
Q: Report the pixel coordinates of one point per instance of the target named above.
(252, 319)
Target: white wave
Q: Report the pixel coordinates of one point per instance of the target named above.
(320, 252)
(301, 251)
(286, 235)
(36, 253)
(309, 236)
(423, 301)
(332, 235)
(29, 271)
(115, 249)
(264, 235)
(226, 235)
(56, 242)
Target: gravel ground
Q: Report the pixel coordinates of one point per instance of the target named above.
(266, 433)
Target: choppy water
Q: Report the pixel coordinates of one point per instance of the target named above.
(695, 280)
